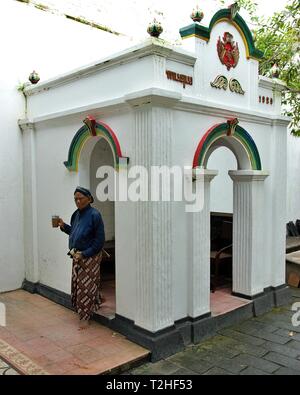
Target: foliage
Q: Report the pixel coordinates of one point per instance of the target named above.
(279, 39)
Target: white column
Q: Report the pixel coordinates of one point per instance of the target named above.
(30, 203)
(153, 223)
(279, 194)
(199, 268)
(248, 231)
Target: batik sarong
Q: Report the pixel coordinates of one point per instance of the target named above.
(86, 286)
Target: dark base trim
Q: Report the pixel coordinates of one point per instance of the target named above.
(249, 297)
(269, 298)
(48, 292)
(162, 343)
(282, 295)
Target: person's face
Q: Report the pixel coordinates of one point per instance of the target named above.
(81, 200)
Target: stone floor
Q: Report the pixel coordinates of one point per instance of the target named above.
(42, 337)
(264, 345)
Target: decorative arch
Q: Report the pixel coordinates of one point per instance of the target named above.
(233, 136)
(204, 32)
(90, 130)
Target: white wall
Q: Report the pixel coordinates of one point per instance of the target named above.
(50, 44)
(293, 178)
(11, 187)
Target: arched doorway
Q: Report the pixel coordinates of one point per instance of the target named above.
(248, 207)
(221, 222)
(102, 155)
(93, 146)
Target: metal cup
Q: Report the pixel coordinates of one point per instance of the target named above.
(55, 219)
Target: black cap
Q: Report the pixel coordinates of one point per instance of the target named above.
(85, 192)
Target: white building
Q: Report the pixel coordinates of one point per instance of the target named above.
(155, 104)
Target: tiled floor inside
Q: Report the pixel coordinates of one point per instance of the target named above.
(108, 291)
(49, 335)
(221, 301)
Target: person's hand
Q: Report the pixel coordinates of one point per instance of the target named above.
(78, 256)
(61, 223)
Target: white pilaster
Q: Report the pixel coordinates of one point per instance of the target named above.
(153, 146)
(278, 185)
(198, 46)
(199, 270)
(248, 231)
(30, 203)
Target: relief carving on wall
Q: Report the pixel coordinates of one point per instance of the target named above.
(228, 51)
(221, 82)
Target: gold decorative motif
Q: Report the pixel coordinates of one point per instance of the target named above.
(91, 124)
(220, 82)
(235, 86)
(234, 9)
(232, 124)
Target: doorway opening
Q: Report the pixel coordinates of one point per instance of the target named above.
(221, 233)
(102, 155)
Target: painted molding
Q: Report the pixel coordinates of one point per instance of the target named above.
(180, 102)
(220, 110)
(208, 174)
(25, 124)
(248, 175)
(219, 131)
(202, 32)
(271, 83)
(151, 46)
(84, 134)
(155, 96)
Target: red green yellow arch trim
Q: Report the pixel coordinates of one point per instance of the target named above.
(89, 130)
(221, 130)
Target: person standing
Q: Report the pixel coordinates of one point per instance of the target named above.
(86, 240)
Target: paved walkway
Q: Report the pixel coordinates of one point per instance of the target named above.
(264, 345)
(42, 337)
